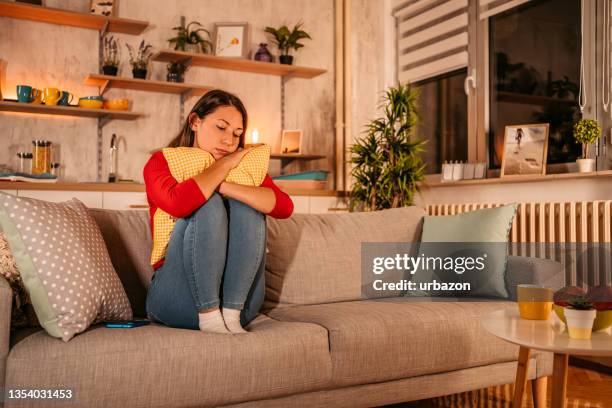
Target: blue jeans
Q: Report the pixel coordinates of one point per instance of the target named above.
(216, 256)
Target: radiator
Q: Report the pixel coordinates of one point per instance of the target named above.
(578, 234)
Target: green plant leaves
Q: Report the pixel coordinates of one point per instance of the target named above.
(387, 161)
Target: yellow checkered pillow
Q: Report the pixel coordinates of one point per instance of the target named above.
(185, 163)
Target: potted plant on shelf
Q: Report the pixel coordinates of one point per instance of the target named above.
(586, 131)
(110, 61)
(386, 162)
(191, 40)
(176, 71)
(140, 60)
(287, 40)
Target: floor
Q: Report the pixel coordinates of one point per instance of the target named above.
(585, 389)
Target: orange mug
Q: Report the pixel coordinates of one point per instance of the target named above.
(51, 96)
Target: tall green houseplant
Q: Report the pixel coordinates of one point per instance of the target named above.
(386, 161)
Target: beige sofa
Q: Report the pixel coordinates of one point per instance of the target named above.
(315, 345)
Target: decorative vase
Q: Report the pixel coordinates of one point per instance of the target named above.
(580, 323)
(263, 54)
(586, 165)
(194, 48)
(174, 77)
(286, 59)
(139, 73)
(110, 70)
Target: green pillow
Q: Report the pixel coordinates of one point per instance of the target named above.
(453, 240)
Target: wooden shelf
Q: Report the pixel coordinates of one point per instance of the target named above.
(295, 156)
(434, 181)
(105, 82)
(7, 106)
(527, 99)
(70, 18)
(237, 64)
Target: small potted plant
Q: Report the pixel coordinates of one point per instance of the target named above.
(140, 59)
(580, 315)
(287, 40)
(191, 40)
(110, 61)
(586, 131)
(176, 71)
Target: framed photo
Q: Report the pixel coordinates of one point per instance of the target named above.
(103, 7)
(231, 40)
(525, 149)
(291, 141)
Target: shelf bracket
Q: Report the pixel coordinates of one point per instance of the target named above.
(284, 80)
(103, 121)
(103, 87)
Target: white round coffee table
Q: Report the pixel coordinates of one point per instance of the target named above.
(545, 335)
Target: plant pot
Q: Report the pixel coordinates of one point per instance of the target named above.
(286, 59)
(110, 70)
(586, 165)
(194, 48)
(580, 323)
(174, 77)
(139, 73)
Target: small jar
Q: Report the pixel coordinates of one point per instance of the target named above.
(55, 169)
(41, 160)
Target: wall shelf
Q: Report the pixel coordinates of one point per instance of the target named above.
(71, 18)
(526, 99)
(7, 106)
(237, 64)
(296, 156)
(105, 82)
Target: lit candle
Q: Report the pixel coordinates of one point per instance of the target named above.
(254, 136)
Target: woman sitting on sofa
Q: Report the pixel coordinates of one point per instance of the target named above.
(209, 234)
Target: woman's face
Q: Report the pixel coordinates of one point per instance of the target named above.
(218, 132)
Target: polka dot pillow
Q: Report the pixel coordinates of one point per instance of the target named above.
(64, 264)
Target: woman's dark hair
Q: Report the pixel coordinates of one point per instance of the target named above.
(207, 104)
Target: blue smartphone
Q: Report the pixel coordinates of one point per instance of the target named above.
(130, 324)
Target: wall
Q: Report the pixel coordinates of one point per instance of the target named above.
(49, 55)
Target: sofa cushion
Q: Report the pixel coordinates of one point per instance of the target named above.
(128, 239)
(316, 258)
(158, 366)
(63, 264)
(387, 339)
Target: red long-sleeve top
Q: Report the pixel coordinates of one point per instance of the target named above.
(181, 199)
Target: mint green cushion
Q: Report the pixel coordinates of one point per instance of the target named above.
(481, 231)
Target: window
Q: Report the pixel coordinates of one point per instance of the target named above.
(443, 119)
(534, 71)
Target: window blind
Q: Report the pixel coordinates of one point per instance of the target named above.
(432, 37)
(488, 8)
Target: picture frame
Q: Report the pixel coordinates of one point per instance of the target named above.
(291, 141)
(107, 8)
(231, 40)
(525, 150)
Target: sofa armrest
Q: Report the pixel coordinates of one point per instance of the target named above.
(533, 271)
(6, 302)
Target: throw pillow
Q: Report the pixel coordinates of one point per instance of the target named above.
(64, 264)
(469, 248)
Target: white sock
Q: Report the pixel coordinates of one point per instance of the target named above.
(212, 322)
(232, 320)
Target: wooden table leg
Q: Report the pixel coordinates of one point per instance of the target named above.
(559, 382)
(521, 376)
(538, 392)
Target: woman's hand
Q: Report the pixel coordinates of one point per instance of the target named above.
(232, 160)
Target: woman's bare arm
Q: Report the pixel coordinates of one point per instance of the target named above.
(262, 199)
(209, 179)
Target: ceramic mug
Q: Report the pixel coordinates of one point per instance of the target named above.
(534, 301)
(52, 96)
(24, 93)
(65, 99)
(36, 96)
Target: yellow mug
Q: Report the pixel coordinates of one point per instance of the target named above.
(36, 96)
(534, 301)
(52, 96)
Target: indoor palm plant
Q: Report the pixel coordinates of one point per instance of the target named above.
(386, 161)
(586, 131)
(287, 40)
(191, 40)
